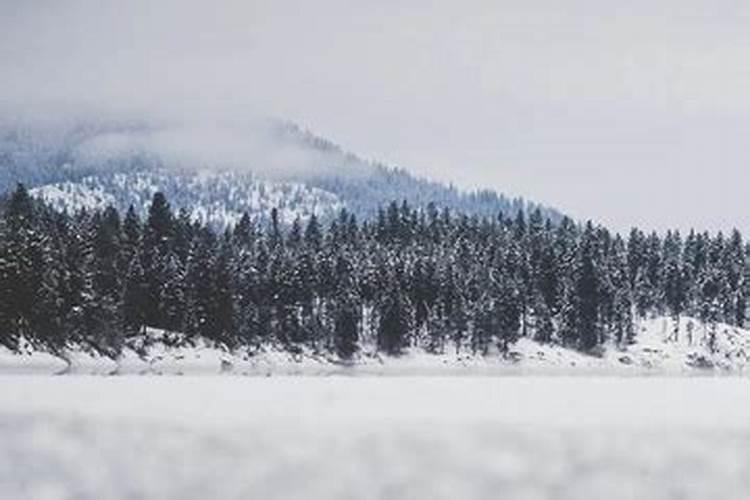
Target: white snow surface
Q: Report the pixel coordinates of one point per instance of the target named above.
(212, 198)
(29, 361)
(437, 430)
(405, 437)
(656, 352)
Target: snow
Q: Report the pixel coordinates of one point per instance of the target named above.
(374, 437)
(655, 352)
(84, 362)
(440, 426)
(74, 197)
(29, 361)
(212, 198)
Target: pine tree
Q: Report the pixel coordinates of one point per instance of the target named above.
(274, 231)
(485, 324)
(201, 287)
(157, 243)
(734, 265)
(8, 334)
(25, 252)
(294, 238)
(396, 319)
(45, 320)
(622, 303)
(107, 276)
(458, 322)
(223, 299)
(131, 239)
(544, 328)
(710, 306)
(160, 223)
(135, 298)
(346, 329)
(508, 309)
(313, 238)
(675, 293)
(84, 320)
(587, 287)
(244, 232)
(173, 300)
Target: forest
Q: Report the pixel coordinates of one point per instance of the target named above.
(410, 277)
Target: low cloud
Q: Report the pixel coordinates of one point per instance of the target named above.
(257, 145)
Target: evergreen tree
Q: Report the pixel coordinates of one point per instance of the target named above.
(395, 321)
(587, 287)
(223, 299)
(411, 278)
(294, 239)
(201, 287)
(675, 293)
(135, 298)
(313, 238)
(158, 239)
(173, 295)
(485, 325)
(346, 329)
(8, 333)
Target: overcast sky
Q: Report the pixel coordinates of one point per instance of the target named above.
(631, 112)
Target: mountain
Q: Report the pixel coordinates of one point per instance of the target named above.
(217, 171)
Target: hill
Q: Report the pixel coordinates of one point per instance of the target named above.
(217, 171)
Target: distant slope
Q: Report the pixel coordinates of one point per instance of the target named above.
(218, 199)
(217, 171)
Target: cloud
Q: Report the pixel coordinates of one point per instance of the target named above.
(256, 145)
(261, 148)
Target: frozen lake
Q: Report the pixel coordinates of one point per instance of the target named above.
(374, 437)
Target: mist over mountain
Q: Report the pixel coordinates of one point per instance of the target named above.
(215, 168)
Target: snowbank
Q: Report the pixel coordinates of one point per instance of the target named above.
(30, 361)
(659, 349)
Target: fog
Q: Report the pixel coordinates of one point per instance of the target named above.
(628, 114)
(216, 142)
(259, 147)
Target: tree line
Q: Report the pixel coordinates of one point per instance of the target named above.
(428, 278)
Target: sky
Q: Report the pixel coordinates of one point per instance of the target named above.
(630, 113)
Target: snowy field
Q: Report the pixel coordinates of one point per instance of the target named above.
(133, 437)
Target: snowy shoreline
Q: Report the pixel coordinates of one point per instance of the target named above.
(656, 353)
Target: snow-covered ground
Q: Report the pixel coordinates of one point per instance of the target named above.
(657, 351)
(374, 437)
(437, 430)
(218, 199)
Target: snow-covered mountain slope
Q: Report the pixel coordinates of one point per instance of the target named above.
(97, 161)
(657, 351)
(218, 199)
